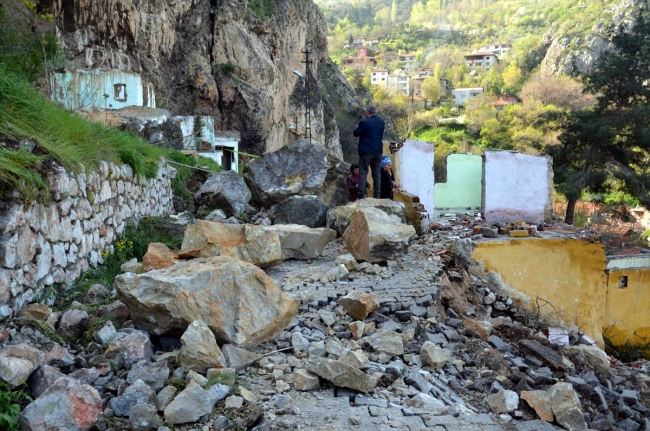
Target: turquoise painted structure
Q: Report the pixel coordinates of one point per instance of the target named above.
(103, 89)
(199, 134)
(464, 183)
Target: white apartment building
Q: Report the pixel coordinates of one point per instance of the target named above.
(399, 83)
(481, 59)
(461, 95)
(495, 48)
(379, 77)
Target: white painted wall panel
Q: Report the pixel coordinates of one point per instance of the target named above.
(416, 171)
(517, 187)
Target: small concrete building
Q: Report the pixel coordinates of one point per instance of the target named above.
(399, 83)
(199, 135)
(97, 88)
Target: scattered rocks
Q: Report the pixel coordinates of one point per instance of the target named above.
(384, 341)
(139, 391)
(540, 401)
(303, 380)
(194, 402)
(503, 401)
(434, 356)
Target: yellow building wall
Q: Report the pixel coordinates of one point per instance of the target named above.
(568, 273)
(627, 316)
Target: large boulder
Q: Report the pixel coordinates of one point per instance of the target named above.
(194, 402)
(340, 217)
(299, 168)
(374, 236)
(226, 190)
(566, 406)
(247, 242)
(334, 191)
(237, 300)
(305, 210)
(301, 242)
(64, 405)
(341, 374)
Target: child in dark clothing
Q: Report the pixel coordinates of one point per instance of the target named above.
(353, 183)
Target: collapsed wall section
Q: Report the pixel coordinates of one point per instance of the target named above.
(42, 245)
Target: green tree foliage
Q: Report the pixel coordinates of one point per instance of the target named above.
(431, 89)
(512, 77)
(611, 142)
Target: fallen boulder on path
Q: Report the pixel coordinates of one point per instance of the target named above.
(235, 299)
(341, 374)
(302, 242)
(303, 210)
(226, 190)
(340, 217)
(299, 168)
(374, 236)
(247, 242)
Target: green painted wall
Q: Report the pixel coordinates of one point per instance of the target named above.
(463, 186)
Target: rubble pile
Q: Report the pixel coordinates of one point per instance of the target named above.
(376, 330)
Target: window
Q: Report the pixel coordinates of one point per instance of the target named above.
(120, 92)
(622, 282)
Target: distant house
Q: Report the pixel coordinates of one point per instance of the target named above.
(408, 60)
(371, 41)
(462, 95)
(503, 101)
(481, 59)
(361, 61)
(104, 89)
(379, 77)
(358, 40)
(199, 135)
(417, 81)
(495, 48)
(399, 83)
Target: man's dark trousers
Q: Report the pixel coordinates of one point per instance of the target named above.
(374, 162)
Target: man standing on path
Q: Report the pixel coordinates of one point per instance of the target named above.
(371, 133)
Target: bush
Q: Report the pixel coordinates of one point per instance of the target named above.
(10, 407)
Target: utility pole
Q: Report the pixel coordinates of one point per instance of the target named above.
(307, 62)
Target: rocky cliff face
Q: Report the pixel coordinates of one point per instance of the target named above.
(578, 46)
(232, 59)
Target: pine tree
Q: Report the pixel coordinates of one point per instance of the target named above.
(610, 143)
(393, 11)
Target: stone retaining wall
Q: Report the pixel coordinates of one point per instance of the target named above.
(42, 245)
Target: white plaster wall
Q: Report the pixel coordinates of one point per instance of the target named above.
(416, 171)
(516, 187)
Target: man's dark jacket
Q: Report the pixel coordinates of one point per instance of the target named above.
(371, 134)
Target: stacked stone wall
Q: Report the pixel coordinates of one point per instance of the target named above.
(42, 245)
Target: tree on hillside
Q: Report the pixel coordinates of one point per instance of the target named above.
(512, 77)
(431, 89)
(611, 142)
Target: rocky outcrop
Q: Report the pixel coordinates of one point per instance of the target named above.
(225, 60)
(235, 299)
(573, 47)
